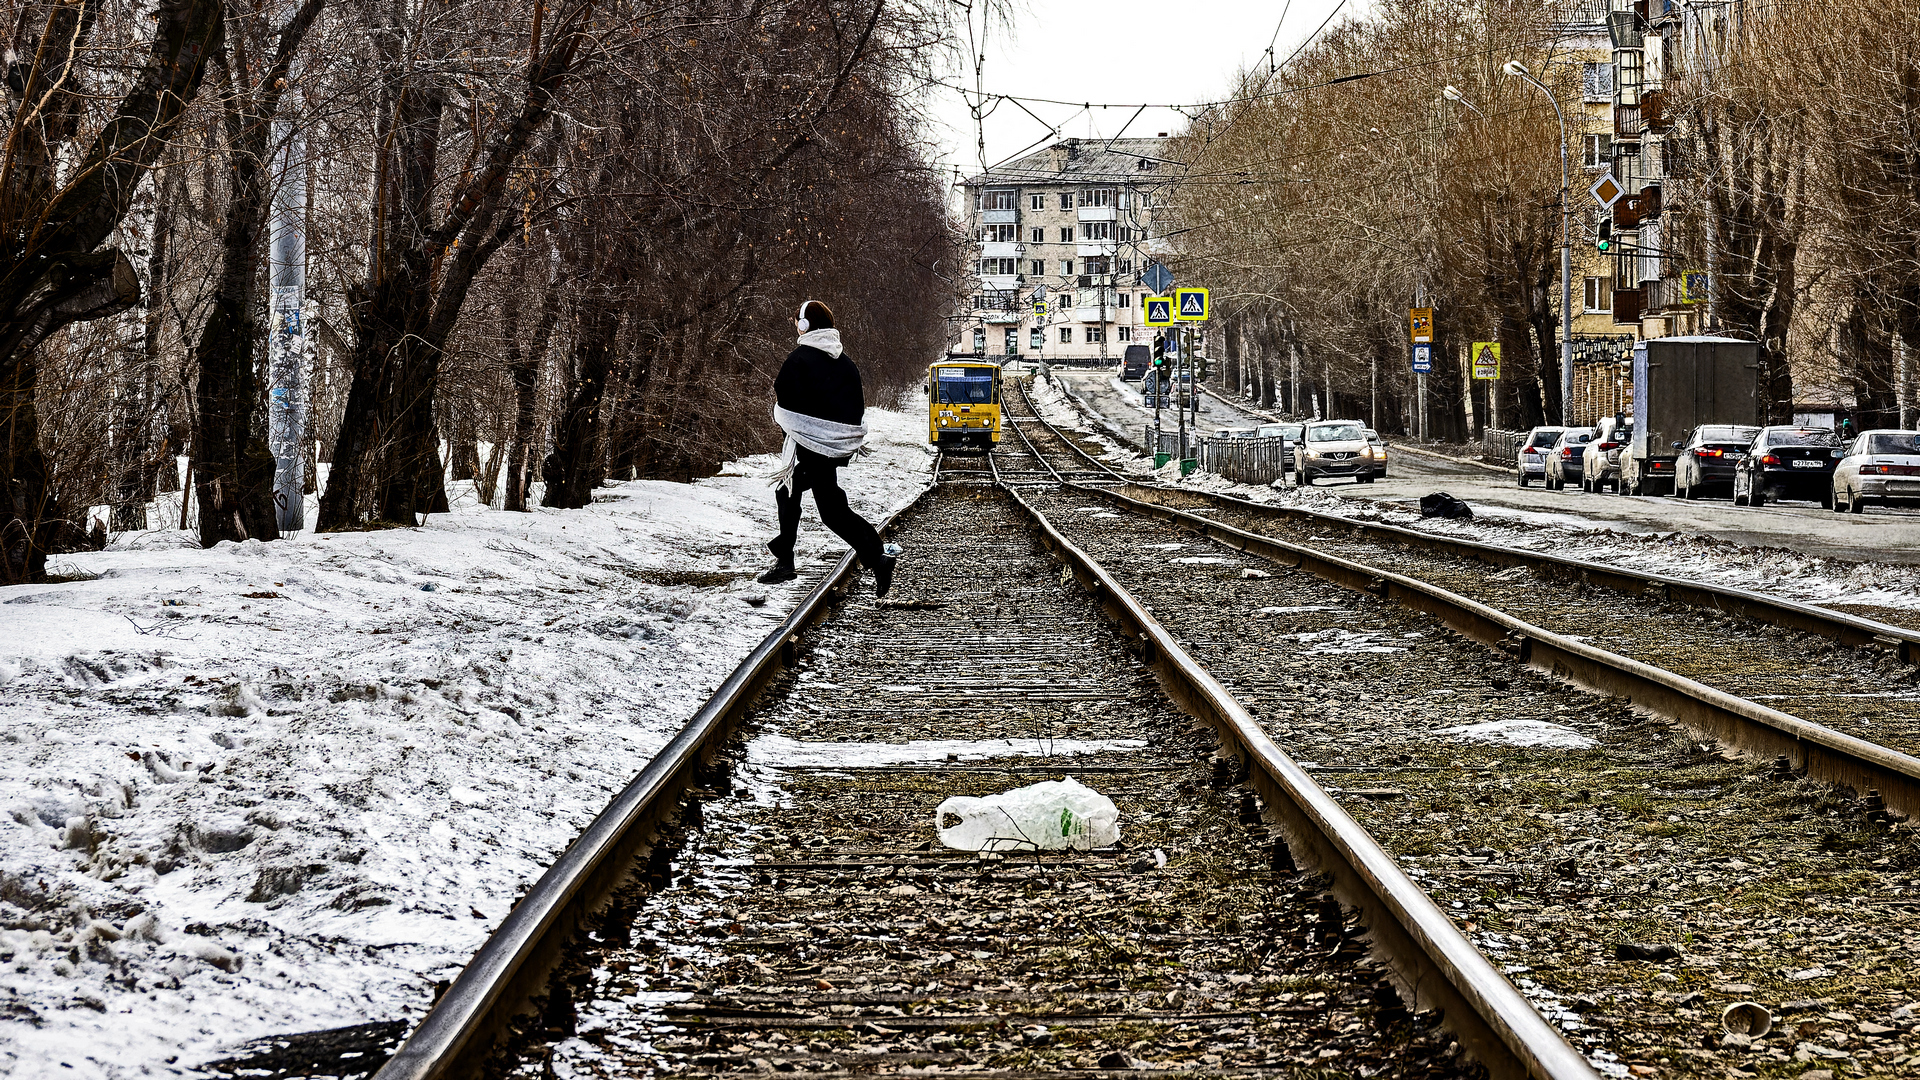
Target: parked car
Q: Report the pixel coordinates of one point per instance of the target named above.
(1291, 432)
(1564, 458)
(1787, 463)
(1707, 458)
(1379, 447)
(1334, 448)
(1601, 462)
(1880, 464)
(1134, 363)
(1530, 462)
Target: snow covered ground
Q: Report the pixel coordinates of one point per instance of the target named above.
(288, 786)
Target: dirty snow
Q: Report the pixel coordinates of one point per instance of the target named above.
(778, 751)
(1515, 731)
(288, 786)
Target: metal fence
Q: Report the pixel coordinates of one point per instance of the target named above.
(1502, 447)
(1245, 461)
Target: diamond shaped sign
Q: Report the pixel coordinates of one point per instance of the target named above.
(1157, 277)
(1607, 191)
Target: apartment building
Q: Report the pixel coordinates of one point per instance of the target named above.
(1602, 346)
(1060, 239)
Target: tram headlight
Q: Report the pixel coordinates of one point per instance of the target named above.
(943, 421)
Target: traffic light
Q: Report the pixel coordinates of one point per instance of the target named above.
(1605, 242)
(1159, 350)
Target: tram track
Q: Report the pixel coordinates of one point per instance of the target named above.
(1552, 858)
(726, 915)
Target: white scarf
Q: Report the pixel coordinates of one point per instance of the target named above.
(823, 437)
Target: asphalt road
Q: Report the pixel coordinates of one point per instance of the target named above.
(1879, 535)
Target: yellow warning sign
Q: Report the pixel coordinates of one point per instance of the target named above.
(1486, 360)
(1420, 325)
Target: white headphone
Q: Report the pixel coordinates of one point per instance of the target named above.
(802, 318)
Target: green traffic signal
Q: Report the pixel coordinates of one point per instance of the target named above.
(1605, 242)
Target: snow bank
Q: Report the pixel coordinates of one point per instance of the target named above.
(288, 786)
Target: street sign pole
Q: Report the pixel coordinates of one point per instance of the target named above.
(1179, 410)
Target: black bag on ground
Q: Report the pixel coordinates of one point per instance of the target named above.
(1442, 505)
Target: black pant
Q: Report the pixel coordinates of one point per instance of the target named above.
(821, 475)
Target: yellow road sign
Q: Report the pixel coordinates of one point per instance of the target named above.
(1486, 360)
(1420, 325)
(1694, 286)
(1159, 310)
(1190, 305)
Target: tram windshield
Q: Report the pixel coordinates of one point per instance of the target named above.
(963, 386)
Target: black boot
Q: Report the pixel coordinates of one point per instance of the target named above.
(883, 570)
(779, 575)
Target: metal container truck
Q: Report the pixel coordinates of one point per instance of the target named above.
(1680, 383)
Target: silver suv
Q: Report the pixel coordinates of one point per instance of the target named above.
(1334, 448)
(1602, 456)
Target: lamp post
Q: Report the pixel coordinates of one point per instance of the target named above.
(1453, 94)
(1519, 70)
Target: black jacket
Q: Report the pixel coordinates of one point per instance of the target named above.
(815, 384)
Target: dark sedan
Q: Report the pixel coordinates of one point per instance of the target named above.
(1788, 463)
(1709, 456)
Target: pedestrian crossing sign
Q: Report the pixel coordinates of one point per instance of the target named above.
(1159, 310)
(1190, 305)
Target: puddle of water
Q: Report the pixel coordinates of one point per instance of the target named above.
(1519, 732)
(778, 751)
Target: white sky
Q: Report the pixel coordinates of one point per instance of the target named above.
(1121, 53)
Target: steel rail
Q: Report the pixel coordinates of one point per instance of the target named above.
(516, 960)
(1742, 725)
(1434, 962)
(1851, 630)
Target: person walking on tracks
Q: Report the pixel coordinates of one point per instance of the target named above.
(819, 403)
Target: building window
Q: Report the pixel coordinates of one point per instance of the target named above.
(1013, 340)
(1596, 80)
(998, 234)
(1066, 200)
(1097, 197)
(1096, 335)
(1066, 267)
(1126, 266)
(1066, 335)
(1096, 264)
(1096, 230)
(1124, 333)
(1626, 77)
(1037, 267)
(1124, 234)
(1037, 202)
(1599, 294)
(1066, 235)
(996, 266)
(979, 341)
(1037, 339)
(1037, 235)
(1004, 199)
(1596, 151)
(1126, 299)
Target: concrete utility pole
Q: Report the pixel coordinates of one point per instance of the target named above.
(287, 343)
(1519, 70)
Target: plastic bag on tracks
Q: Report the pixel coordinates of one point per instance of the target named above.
(1047, 816)
(1442, 505)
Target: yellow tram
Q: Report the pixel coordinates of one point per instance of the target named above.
(963, 404)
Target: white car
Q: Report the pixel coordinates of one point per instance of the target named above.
(1334, 448)
(1883, 465)
(1530, 461)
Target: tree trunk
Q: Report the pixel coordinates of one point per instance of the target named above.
(525, 368)
(576, 449)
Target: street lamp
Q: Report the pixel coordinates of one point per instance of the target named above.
(1519, 71)
(1452, 93)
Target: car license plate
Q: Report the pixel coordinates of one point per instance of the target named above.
(1803, 463)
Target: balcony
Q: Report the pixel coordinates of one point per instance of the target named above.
(1653, 110)
(999, 282)
(1626, 306)
(1094, 248)
(994, 249)
(1626, 123)
(1663, 295)
(1091, 314)
(1097, 213)
(999, 217)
